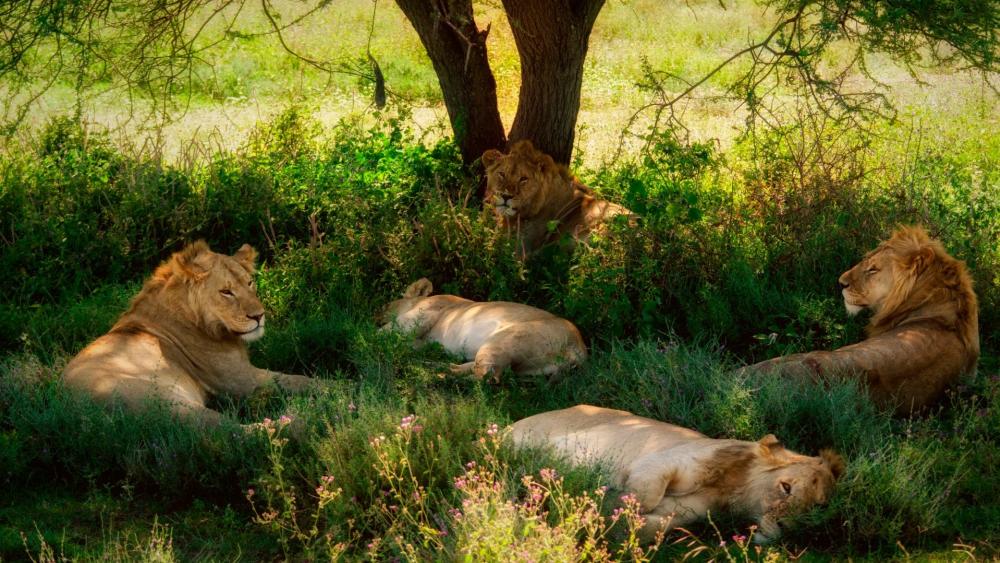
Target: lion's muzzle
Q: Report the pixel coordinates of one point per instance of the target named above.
(504, 205)
(255, 333)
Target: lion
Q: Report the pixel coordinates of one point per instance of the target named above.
(540, 200)
(183, 339)
(491, 335)
(679, 476)
(924, 333)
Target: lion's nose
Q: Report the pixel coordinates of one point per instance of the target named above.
(506, 197)
(257, 317)
(844, 284)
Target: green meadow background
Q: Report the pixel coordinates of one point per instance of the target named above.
(744, 232)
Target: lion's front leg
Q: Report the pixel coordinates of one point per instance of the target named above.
(293, 383)
(250, 379)
(670, 513)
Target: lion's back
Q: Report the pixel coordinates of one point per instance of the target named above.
(604, 433)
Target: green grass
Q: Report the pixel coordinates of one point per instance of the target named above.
(916, 482)
(746, 279)
(249, 77)
(740, 247)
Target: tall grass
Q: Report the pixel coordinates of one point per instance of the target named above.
(735, 259)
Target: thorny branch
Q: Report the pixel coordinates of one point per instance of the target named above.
(150, 52)
(787, 61)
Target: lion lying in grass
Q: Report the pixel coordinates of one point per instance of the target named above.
(183, 339)
(679, 476)
(924, 333)
(492, 335)
(540, 200)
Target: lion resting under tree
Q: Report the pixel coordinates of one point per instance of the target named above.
(540, 200)
(183, 339)
(924, 333)
(678, 475)
(493, 335)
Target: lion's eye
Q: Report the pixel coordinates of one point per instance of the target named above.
(787, 487)
(872, 271)
(523, 180)
(227, 293)
(500, 174)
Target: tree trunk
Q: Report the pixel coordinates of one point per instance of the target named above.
(457, 49)
(552, 38)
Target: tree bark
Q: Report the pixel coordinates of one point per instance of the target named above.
(457, 49)
(552, 38)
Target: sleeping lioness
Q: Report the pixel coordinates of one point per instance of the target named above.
(492, 335)
(183, 339)
(679, 475)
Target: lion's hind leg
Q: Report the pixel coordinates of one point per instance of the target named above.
(492, 358)
(531, 348)
(545, 347)
(144, 396)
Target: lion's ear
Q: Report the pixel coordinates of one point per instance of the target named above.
(546, 164)
(524, 146)
(247, 257)
(922, 258)
(193, 261)
(770, 443)
(833, 460)
(420, 288)
(491, 157)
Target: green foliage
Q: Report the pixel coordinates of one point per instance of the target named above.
(738, 253)
(151, 452)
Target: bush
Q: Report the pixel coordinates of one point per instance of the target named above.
(735, 259)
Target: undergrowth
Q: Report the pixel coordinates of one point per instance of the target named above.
(735, 259)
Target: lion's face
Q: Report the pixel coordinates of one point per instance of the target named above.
(792, 485)
(869, 282)
(516, 183)
(413, 295)
(221, 292)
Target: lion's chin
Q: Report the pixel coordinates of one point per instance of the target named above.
(254, 334)
(853, 309)
(768, 530)
(506, 211)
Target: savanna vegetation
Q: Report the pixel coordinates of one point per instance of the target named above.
(745, 227)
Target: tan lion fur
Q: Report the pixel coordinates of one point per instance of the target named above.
(527, 192)
(492, 335)
(923, 335)
(183, 339)
(679, 475)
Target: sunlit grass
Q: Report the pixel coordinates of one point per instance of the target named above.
(248, 79)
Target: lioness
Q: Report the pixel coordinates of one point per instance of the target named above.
(924, 333)
(540, 200)
(183, 339)
(494, 334)
(679, 476)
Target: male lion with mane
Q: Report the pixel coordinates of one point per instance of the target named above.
(183, 339)
(540, 200)
(679, 475)
(924, 333)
